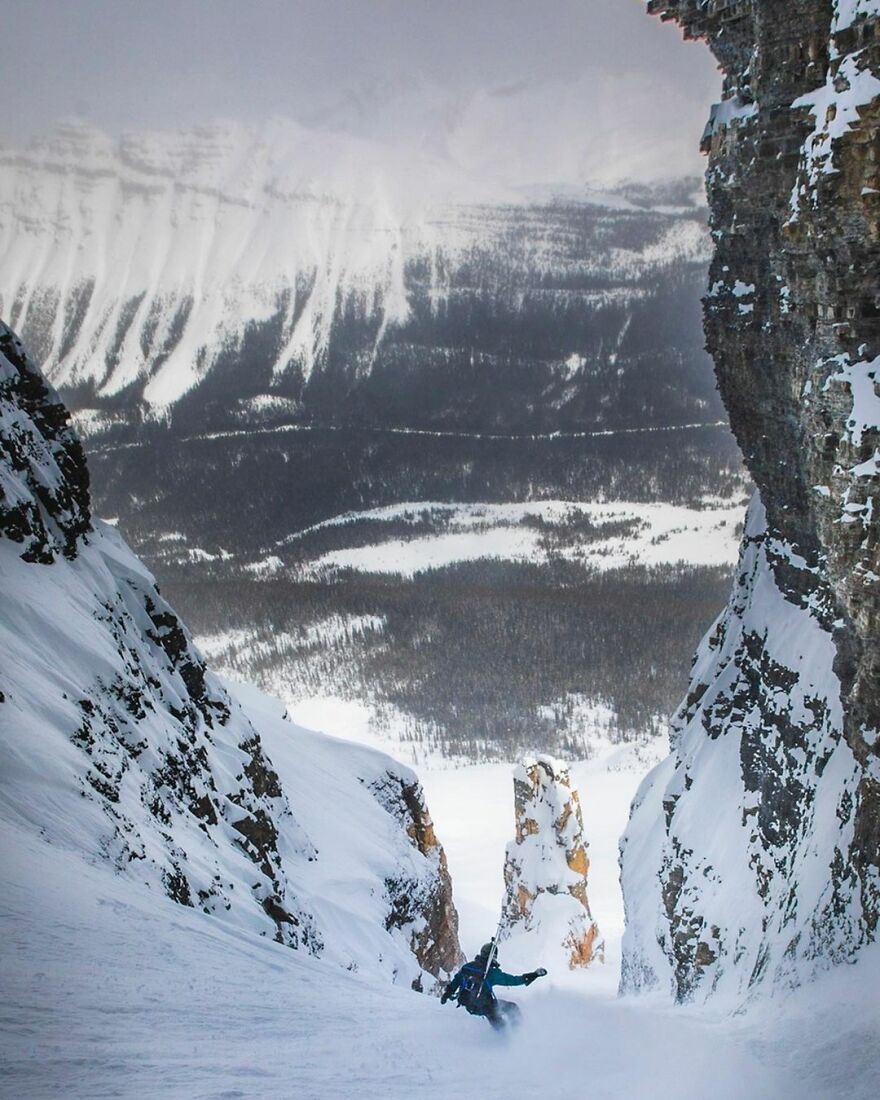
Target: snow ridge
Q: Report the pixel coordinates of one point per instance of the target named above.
(752, 816)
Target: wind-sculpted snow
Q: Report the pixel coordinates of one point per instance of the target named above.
(118, 744)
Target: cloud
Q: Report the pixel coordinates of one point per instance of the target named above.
(510, 90)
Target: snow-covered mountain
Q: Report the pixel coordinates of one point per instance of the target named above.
(136, 269)
(119, 746)
(261, 332)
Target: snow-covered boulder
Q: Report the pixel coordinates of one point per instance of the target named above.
(119, 745)
(545, 869)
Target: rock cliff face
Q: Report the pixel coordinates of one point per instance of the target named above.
(545, 870)
(421, 905)
(116, 741)
(754, 851)
(44, 483)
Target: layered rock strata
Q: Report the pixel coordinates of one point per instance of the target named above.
(546, 865)
(753, 852)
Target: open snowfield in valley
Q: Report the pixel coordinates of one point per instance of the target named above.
(111, 990)
(625, 533)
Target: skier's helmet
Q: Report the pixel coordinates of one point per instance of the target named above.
(486, 950)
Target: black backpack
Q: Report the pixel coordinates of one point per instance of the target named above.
(473, 994)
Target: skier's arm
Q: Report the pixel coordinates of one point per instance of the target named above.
(451, 988)
(499, 977)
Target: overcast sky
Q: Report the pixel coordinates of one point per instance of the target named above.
(533, 90)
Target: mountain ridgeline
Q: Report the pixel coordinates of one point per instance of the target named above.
(204, 275)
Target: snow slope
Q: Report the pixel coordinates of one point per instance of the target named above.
(115, 991)
(736, 865)
(61, 668)
(119, 747)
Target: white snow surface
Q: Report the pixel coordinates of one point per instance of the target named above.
(846, 12)
(664, 534)
(860, 378)
(835, 108)
(112, 990)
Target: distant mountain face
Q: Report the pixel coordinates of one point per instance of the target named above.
(227, 275)
(260, 332)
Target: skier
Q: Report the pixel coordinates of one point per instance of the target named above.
(473, 989)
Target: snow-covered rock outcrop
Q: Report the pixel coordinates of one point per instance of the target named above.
(736, 863)
(546, 866)
(421, 905)
(118, 744)
(44, 483)
(753, 852)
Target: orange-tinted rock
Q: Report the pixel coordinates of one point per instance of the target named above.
(545, 871)
(424, 906)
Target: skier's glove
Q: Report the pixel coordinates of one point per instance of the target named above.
(533, 975)
(445, 997)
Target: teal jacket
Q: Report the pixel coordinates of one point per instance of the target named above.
(495, 976)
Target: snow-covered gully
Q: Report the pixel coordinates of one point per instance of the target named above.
(113, 991)
(109, 995)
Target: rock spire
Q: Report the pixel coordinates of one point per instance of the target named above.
(546, 866)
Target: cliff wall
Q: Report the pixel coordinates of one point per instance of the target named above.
(765, 859)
